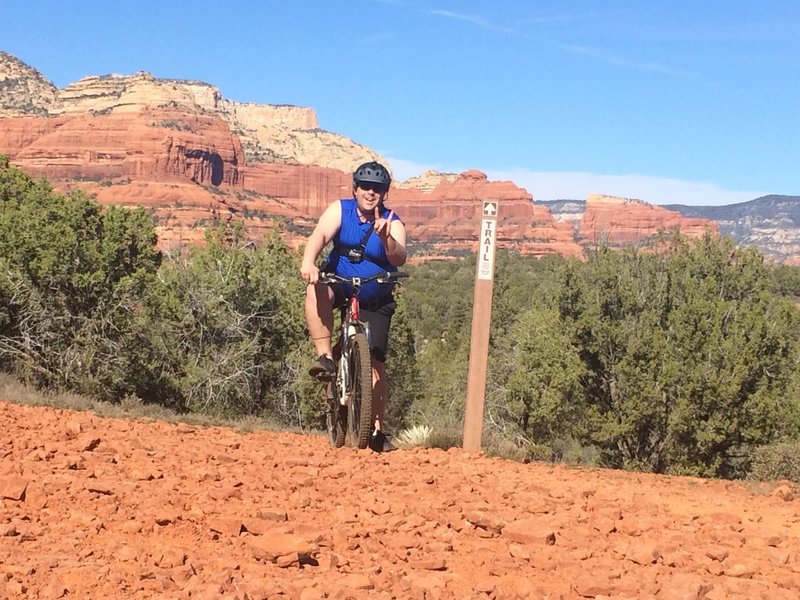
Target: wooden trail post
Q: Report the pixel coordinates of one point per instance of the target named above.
(481, 322)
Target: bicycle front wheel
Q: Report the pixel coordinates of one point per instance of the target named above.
(359, 418)
(335, 416)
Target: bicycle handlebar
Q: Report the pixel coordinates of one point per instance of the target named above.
(382, 277)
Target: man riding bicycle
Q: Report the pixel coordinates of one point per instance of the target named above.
(367, 238)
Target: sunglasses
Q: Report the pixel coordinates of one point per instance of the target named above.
(372, 187)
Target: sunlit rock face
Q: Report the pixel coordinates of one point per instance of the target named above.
(194, 158)
(623, 221)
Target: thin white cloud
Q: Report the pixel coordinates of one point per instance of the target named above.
(653, 190)
(558, 18)
(573, 185)
(474, 19)
(611, 59)
(595, 53)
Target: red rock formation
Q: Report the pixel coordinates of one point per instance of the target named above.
(168, 145)
(622, 221)
(188, 169)
(180, 164)
(307, 189)
(150, 144)
(448, 217)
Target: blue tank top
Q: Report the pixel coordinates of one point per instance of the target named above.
(350, 235)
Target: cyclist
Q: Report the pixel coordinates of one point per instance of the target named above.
(367, 238)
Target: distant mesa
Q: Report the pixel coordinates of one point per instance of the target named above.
(194, 158)
(427, 180)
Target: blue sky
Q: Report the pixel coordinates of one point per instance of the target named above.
(687, 101)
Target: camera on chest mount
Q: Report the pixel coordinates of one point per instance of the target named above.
(355, 255)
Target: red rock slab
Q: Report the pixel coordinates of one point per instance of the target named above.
(13, 488)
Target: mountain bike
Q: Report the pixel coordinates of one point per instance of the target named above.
(349, 396)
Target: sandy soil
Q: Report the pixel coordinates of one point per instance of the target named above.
(107, 508)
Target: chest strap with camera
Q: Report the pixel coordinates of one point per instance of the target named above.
(356, 254)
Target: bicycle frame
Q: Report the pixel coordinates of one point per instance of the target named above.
(349, 395)
(350, 325)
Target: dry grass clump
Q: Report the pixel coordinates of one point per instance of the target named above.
(418, 435)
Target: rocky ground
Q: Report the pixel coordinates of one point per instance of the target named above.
(108, 508)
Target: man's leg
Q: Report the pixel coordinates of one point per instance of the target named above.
(319, 319)
(379, 323)
(380, 391)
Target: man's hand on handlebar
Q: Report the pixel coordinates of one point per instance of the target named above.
(310, 273)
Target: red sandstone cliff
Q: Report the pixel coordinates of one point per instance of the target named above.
(448, 217)
(158, 144)
(192, 159)
(190, 171)
(623, 221)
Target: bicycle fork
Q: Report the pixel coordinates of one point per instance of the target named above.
(343, 376)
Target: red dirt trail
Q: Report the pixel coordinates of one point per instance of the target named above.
(94, 507)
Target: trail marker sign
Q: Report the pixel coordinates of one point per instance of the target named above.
(481, 322)
(488, 238)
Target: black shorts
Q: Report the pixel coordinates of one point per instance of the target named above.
(378, 315)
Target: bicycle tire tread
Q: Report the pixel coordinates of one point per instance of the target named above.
(359, 420)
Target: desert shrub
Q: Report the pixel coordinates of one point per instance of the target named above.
(689, 357)
(402, 369)
(446, 432)
(222, 329)
(72, 276)
(775, 462)
(495, 443)
(445, 439)
(675, 362)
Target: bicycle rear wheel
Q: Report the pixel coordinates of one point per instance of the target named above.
(335, 416)
(359, 417)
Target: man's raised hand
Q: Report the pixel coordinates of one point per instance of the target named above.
(383, 227)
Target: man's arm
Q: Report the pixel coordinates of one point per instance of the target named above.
(327, 226)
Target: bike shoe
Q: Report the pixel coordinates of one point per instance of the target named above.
(378, 442)
(323, 368)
